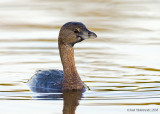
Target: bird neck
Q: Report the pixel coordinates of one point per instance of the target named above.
(71, 78)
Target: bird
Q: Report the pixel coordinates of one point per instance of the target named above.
(68, 79)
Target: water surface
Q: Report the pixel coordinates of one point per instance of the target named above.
(121, 66)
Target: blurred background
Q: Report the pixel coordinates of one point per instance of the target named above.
(121, 66)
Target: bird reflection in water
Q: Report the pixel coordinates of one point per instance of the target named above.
(71, 101)
(70, 98)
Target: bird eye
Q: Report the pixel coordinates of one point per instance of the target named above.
(76, 31)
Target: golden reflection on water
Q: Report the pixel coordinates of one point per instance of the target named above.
(121, 66)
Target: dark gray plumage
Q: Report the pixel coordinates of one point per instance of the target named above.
(46, 79)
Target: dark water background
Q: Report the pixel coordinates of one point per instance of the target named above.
(121, 66)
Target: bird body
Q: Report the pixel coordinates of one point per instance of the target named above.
(47, 79)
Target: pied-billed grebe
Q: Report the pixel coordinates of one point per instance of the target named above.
(68, 79)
